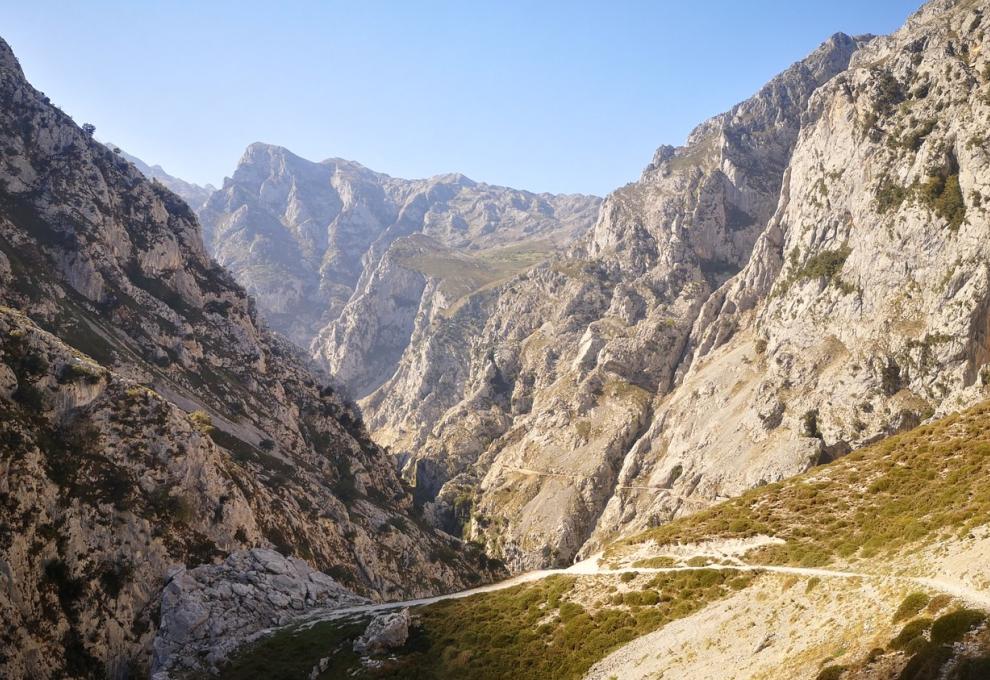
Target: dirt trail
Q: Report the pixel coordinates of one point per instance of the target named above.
(591, 567)
(575, 476)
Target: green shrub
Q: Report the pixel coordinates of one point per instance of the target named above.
(926, 662)
(202, 421)
(911, 631)
(79, 372)
(951, 627)
(911, 605)
(913, 139)
(825, 264)
(889, 196)
(68, 588)
(973, 669)
(29, 396)
(809, 424)
(943, 196)
(661, 562)
(648, 598)
(831, 673)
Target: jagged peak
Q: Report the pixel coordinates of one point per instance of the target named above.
(831, 57)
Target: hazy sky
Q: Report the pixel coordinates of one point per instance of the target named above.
(548, 96)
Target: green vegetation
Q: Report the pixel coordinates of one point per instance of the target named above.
(877, 500)
(911, 605)
(928, 645)
(809, 424)
(661, 562)
(914, 138)
(202, 421)
(831, 673)
(951, 628)
(292, 654)
(910, 633)
(889, 196)
(825, 264)
(537, 630)
(942, 195)
(68, 588)
(464, 275)
(80, 372)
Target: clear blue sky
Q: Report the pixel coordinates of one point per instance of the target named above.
(548, 96)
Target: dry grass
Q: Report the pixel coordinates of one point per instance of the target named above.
(912, 487)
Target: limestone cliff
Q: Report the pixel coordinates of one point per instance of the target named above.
(863, 309)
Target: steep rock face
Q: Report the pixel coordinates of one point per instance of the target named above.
(303, 237)
(149, 419)
(518, 409)
(864, 307)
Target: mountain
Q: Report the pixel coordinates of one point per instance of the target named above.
(805, 275)
(519, 410)
(311, 242)
(193, 194)
(153, 427)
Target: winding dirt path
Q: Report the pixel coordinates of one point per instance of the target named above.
(590, 567)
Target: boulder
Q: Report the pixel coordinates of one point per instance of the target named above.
(385, 632)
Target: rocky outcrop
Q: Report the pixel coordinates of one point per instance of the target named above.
(209, 611)
(518, 409)
(385, 632)
(150, 419)
(304, 237)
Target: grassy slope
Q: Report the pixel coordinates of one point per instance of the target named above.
(912, 488)
(465, 274)
(549, 629)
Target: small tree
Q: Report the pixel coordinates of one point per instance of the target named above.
(89, 128)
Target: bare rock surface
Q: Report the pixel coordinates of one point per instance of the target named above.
(518, 408)
(209, 611)
(384, 632)
(306, 239)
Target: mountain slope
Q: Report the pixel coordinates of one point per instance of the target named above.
(305, 237)
(806, 275)
(863, 308)
(871, 567)
(519, 408)
(151, 421)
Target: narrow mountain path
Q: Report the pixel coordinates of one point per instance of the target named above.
(577, 477)
(590, 567)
